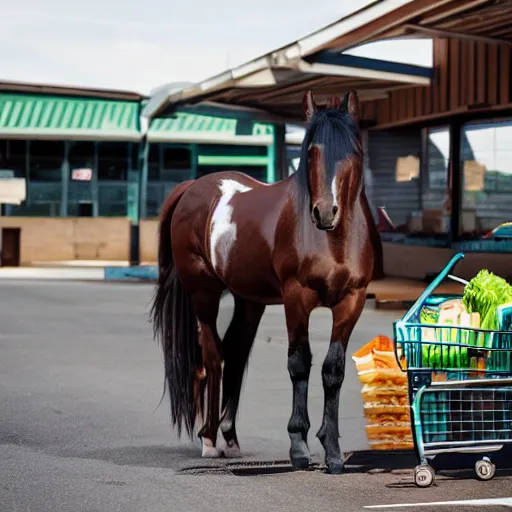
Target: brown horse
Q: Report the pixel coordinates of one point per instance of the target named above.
(306, 241)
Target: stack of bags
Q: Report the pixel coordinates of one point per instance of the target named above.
(385, 396)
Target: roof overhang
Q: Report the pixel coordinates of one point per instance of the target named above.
(275, 82)
(478, 20)
(272, 90)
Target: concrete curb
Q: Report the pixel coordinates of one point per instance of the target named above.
(140, 273)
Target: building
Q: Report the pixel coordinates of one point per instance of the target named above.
(79, 150)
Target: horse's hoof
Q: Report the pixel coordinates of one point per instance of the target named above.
(232, 451)
(335, 468)
(301, 462)
(209, 451)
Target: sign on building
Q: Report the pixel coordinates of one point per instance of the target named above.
(81, 174)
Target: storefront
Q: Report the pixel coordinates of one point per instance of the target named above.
(79, 152)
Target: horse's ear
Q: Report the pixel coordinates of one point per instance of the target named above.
(309, 105)
(351, 103)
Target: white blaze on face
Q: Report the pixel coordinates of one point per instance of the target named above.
(334, 191)
(223, 229)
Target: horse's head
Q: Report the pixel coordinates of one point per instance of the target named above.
(332, 158)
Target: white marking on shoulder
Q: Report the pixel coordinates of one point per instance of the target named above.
(223, 229)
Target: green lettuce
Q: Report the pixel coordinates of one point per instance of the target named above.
(483, 294)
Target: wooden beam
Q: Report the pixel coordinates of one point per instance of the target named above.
(457, 7)
(385, 24)
(435, 32)
(444, 117)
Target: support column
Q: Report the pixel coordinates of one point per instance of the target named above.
(368, 173)
(193, 161)
(279, 153)
(455, 181)
(94, 183)
(64, 181)
(27, 172)
(143, 180)
(137, 195)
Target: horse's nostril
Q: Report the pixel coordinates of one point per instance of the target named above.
(334, 210)
(316, 213)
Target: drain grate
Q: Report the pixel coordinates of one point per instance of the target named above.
(246, 468)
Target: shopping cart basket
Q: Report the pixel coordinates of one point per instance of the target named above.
(460, 391)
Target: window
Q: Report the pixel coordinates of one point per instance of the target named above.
(486, 154)
(46, 159)
(438, 155)
(113, 161)
(435, 191)
(177, 163)
(13, 157)
(81, 156)
(392, 179)
(154, 162)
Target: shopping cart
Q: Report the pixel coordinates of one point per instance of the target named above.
(460, 391)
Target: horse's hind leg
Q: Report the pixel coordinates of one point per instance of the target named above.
(345, 317)
(207, 308)
(236, 347)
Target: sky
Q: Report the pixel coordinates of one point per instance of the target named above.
(140, 45)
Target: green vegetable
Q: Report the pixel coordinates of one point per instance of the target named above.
(483, 294)
(429, 315)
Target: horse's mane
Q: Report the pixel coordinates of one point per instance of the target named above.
(338, 132)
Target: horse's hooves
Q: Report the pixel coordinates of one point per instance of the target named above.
(232, 452)
(301, 463)
(335, 468)
(210, 452)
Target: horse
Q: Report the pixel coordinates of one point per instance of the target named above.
(306, 241)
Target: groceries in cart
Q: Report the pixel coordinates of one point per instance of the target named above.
(468, 340)
(456, 326)
(384, 393)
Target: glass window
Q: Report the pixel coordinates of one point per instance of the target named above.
(392, 177)
(46, 159)
(81, 155)
(113, 161)
(13, 157)
(435, 191)
(154, 162)
(80, 197)
(438, 155)
(177, 163)
(486, 176)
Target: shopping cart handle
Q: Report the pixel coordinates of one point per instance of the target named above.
(432, 286)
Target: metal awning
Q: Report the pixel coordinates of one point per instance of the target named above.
(68, 117)
(276, 82)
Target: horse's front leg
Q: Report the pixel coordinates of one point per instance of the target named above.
(345, 316)
(298, 306)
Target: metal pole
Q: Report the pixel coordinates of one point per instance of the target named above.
(140, 210)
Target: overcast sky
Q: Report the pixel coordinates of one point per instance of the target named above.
(139, 45)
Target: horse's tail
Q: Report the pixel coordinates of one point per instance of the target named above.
(175, 326)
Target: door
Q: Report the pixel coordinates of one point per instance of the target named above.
(10, 247)
(85, 210)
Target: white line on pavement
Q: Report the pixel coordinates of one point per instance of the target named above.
(506, 502)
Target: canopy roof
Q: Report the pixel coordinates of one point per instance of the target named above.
(275, 82)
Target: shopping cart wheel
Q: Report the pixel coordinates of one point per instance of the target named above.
(424, 475)
(485, 469)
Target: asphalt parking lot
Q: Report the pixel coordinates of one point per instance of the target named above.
(81, 428)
